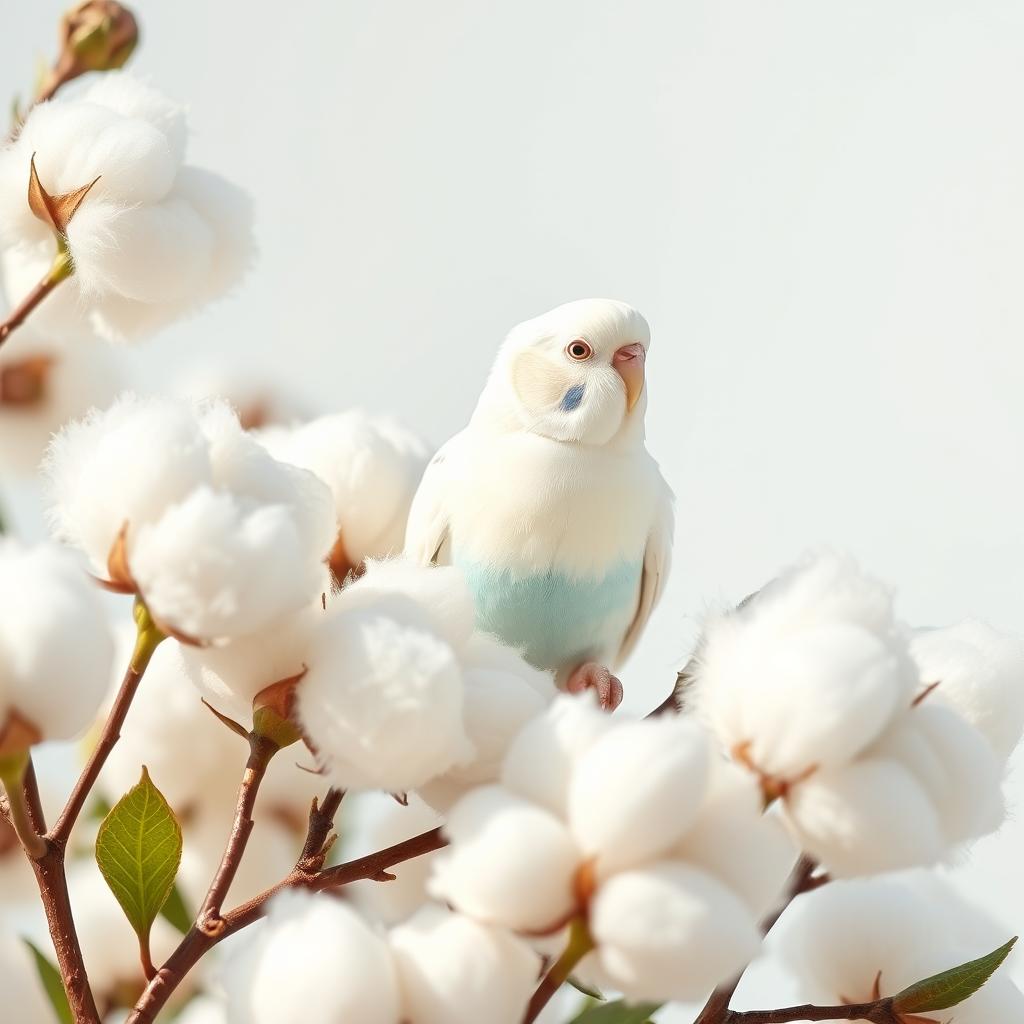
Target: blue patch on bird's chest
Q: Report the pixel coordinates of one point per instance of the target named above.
(556, 620)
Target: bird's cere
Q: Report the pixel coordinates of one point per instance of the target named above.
(372, 465)
(55, 646)
(854, 941)
(633, 821)
(148, 238)
(813, 687)
(179, 504)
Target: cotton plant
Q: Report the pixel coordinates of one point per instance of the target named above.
(812, 686)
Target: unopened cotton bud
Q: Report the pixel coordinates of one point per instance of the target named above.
(453, 970)
(736, 842)
(980, 673)
(96, 35)
(670, 932)
(540, 761)
(637, 790)
(382, 698)
(151, 241)
(23, 992)
(806, 674)
(312, 945)
(55, 646)
(865, 818)
(372, 465)
(510, 862)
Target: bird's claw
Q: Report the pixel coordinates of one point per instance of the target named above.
(591, 676)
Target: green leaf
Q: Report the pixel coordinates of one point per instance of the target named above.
(138, 849)
(618, 1013)
(942, 991)
(52, 984)
(588, 990)
(175, 911)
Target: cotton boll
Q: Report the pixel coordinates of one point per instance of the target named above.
(453, 970)
(487, 653)
(150, 242)
(980, 673)
(540, 761)
(55, 644)
(23, 992)
(496, 706)
(808, 673)
(439, 592)
(736, 842)
(670, 932)
(510, 862)
(953, 764)
(382, 699)
(868, 817)
(312, 945)
(375, 821)
(637, 790)
(372, 465)
(215, 566)
(42, 386)
(123, 465)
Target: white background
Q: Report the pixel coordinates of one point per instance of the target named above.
(819, 205)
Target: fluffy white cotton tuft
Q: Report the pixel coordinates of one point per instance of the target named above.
(221, 539)
(806, 674)
(382, 699)
(510, 862)
(312, 944)
(453, 970)
(637, 790)
(541, 759)
(908, 927)
(372, 465)
(56, 648)
(152, 241)
(980, 673)
(669, 931)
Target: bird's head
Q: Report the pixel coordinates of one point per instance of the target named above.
(574, 374)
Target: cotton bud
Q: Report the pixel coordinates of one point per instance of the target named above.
(733, 841)
(42, 386)
(375, 821)
(372, 465)
(23, 992)
(669, 931)
(510, 862)
(858, 941)
(637, 790)
(541, 759)
(149, 239)
(55, 646)
(382, 698)
(502, 692)
(178, 503)
(806, 674)
(980, 673)
(312, 946)
(453, 970)
(97, 35)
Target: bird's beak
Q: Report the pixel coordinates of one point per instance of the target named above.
(628, 363)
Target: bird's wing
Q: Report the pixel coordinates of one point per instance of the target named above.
(426, 532)
(657, 556)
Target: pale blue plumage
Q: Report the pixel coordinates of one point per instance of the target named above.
(555, 619)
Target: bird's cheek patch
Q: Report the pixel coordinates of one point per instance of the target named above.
(573, 397)
(538, 384)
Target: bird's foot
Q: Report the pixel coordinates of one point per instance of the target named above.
(591, 676)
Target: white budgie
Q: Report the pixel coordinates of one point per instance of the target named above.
(549, 500)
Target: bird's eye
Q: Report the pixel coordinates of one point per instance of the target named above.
(579, 350)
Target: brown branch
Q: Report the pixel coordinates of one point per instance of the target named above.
(196, 944)
(716, 1009)
(879, 1012)
(261, 750)
(61, 270)
(20, 816)
(148, 639)
(577, 947)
